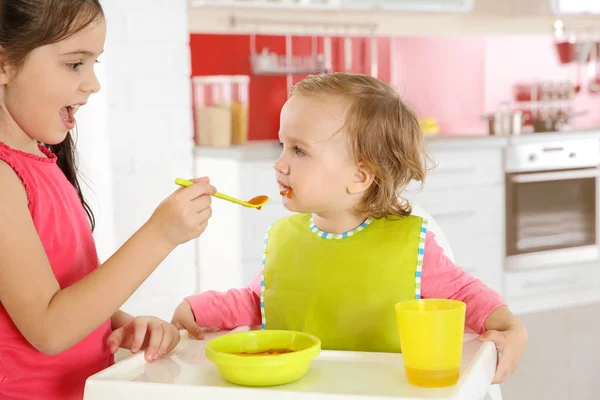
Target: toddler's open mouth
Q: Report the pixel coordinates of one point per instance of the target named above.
(285, 191)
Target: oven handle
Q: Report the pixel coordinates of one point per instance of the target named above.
(556, 176)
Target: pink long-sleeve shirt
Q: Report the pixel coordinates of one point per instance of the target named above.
(440, 278)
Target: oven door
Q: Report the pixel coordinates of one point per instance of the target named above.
(552, 218)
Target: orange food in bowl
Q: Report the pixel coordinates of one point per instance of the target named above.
(273, 352)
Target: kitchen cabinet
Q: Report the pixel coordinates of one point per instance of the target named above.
(464, 194)
(229, 253)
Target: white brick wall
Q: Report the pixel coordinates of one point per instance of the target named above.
(142, 139)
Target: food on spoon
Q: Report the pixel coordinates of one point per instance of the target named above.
(258, 200)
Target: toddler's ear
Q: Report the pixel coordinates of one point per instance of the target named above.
(360, 181)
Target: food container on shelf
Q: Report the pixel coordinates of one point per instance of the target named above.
(220, 110)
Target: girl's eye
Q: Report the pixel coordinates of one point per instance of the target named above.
(75, 66)
(299, 151)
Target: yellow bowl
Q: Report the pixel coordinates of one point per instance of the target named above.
(263, 370)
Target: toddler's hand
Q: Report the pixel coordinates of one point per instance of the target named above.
(511, 345)
(183, 318)
(184, 214)
(158, 337)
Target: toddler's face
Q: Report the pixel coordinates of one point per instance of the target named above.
(315, 163)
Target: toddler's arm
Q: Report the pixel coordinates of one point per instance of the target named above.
(227, 310)
(441, 278)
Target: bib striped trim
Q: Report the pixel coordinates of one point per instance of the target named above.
(420, 255)
(327, 235)
(262, 282)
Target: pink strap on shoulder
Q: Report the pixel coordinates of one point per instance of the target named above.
(8, 156)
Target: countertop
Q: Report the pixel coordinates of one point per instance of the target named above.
(186, 373)
(269, 150)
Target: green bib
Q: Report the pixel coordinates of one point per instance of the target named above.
(342, 288)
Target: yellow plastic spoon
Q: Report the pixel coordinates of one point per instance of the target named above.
(255, 202)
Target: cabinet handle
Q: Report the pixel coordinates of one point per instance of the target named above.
(556, 176)
(553, 149)
(550, 283)
(457, 170)
(455, 214)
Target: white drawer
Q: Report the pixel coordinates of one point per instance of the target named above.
(255, 227)
(473, 222)
(250, 270)
(490, 278)
(551, 280)
(454, 169)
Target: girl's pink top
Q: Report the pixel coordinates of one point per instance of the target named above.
(441, 278)
(65, 234)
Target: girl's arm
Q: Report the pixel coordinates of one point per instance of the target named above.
(53, 320)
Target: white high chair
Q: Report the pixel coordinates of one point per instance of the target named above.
(494, 392)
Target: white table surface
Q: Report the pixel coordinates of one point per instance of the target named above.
(186, 373)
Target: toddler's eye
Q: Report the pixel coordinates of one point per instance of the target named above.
(299, 151)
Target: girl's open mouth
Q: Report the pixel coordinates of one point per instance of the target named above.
(67, 115)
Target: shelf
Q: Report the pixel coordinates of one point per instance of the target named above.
(341, 5)
(273, 4)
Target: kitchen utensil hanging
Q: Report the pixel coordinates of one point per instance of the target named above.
(578, 48)
(270, 63)
(347, 54)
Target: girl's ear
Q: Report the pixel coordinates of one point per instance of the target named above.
(5, 68)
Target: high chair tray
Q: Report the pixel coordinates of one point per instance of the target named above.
(187, 374)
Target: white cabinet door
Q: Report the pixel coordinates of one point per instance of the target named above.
(552, 280)
(453, 169)
(473, 222)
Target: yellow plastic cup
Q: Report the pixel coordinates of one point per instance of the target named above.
(431, 336)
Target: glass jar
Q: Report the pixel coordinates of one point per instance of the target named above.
(221, 110)
(239, 109)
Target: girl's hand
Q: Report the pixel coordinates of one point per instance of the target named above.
(183, 318)
(184, 214)
(156, 336)
(511, 346)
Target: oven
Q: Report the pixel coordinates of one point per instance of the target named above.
(552, 194)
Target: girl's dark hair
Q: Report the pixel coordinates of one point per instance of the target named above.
(28, 24)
